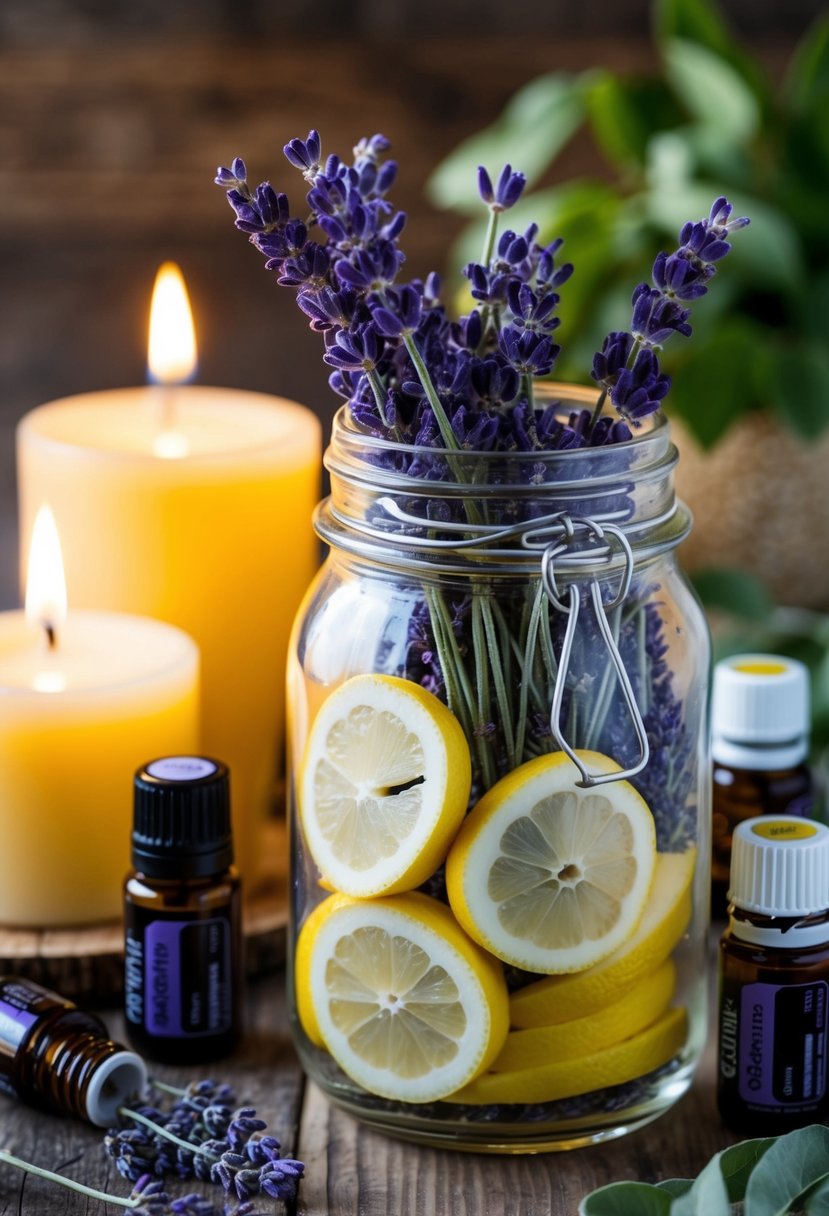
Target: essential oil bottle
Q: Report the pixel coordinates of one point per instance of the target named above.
(774, 978)
(53, 1054)
(182, 913)
(760, 741)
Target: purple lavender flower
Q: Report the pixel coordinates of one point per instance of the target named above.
(401, 316)
(305, 154)
(637, 390)
(530, 354)
(153, 1197)
(507, 192)
(355, 350)
(228, 1148)
(192, 1205)
(627, 367)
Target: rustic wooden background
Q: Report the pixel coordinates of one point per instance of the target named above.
(114, 114)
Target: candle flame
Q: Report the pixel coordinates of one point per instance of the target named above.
(46, 581)
(172, 353)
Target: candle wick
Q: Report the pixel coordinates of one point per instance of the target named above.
(51, 634)
(167, 400)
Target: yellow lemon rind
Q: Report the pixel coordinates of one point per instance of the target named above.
(475, 848)
(615, 1065)
(448, 777)
(302, 968)
(430, 924)
(635, 1011)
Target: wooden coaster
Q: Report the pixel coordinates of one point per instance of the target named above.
(85, 962)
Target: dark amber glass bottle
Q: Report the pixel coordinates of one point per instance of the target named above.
(760, 740)
(54, 1054)
(182, 914)
(774, 978)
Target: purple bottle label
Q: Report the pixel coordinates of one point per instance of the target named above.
(187, 978)
(782, 1044)
(15, 1022)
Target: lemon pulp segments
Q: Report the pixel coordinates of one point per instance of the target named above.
(384, 787)
(665, 919)
(406, 1004)
(548, 876)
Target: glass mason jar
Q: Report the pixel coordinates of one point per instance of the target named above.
(538, 596)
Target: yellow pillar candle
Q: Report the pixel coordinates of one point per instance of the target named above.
(76, 719)
(191, 505)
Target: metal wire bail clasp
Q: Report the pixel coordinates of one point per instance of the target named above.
(612, 536)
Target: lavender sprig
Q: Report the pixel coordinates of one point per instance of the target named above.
(627, 367)
(147, 1197)
(404, 367)
(201, 1136)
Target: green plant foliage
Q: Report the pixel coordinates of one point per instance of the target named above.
(807, 81)
(769, 1177)
(788, 1171)
(717, 379)
(553, 105)
(709, 121)
(800, 388)
(816, 1202)
(714, 93)
(706, 1197)
(725, 589)
(626, 1199)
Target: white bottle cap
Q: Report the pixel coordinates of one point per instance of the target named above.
(780, 866)
(117, 1078)
(760, 711)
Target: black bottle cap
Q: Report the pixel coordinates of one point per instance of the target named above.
(181, 824)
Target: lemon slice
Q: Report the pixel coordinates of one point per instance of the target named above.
(635, 1011)
(666, 917)
(384, 786)
(548, 876)
(635, 1057)
(407, 1005)
(302, 966)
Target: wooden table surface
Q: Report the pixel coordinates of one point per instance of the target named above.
(351, 1171)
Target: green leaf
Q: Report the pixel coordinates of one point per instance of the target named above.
(676, 1186)
(813, 308)
(708, 1195)
(737, 1162)
(699, 21)
(807, 78)
(696, 21)
(799, 388)
(714, 385)
(713, 91)
(536, 123)
(626, 113)
(626, 1199)
(790, 1168)
(740, 594)
(817, 1203)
